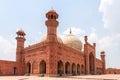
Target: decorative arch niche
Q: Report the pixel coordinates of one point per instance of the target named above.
(28, 68)
(42, 67)
(60, 68)
(91, 63)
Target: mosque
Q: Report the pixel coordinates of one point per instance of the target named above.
(53, 56)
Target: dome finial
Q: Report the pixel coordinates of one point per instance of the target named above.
(70, 31)
(21, 29)
(51, 8)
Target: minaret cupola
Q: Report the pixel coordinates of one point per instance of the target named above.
(20, 45)
(52, 14)
(20, 33)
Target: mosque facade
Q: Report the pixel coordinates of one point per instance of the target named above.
(53, 56)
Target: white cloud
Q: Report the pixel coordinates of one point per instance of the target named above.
(111, 19)
(110, 41)
(111, 14)
(93, 36)
(7, 49)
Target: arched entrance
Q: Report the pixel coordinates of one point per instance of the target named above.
(78, 69)
(73, 69)
(82, 69)
(28, 68)
(98, 70)
(91, 63)
(67, 68)
(15, 70)
(42, 67)
(60, 68)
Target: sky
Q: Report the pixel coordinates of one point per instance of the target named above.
(98, 19)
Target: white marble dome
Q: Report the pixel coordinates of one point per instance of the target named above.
(73, 41)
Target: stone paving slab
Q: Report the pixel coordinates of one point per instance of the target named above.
(85, 77)
(100, 77)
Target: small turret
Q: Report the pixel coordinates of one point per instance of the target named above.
(20, 45)
(94, 44)
(103, 60)
(86, 39)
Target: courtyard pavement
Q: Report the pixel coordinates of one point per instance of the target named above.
(84, 77)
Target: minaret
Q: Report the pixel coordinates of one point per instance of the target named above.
(51, 24)
(20, 45)
(103, 60)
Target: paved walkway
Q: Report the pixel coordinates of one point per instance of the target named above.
(85, 77)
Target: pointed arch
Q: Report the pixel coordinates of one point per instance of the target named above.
(73, 69)
(91, 63)
(51, 16)
(67, 68)
(14, 70)
(42, 67)
(78, 69)
(82, 69)
(28, 68)
(60, 68)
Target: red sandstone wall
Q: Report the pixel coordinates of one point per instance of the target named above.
(99, 66)
(67, 54)
(34, 54)
(98, 63)
(7, 68)
(112, 71)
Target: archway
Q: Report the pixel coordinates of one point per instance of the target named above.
(98, 70)
(78, 69)
(42, 67)
(82, 69)
(73, 69)
(15, 70)
(67, 68)
(91, 63)
(60, 68)
(28, 68)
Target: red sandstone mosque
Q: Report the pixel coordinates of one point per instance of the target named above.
(53, 56)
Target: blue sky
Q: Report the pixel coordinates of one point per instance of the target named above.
(99, 19)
